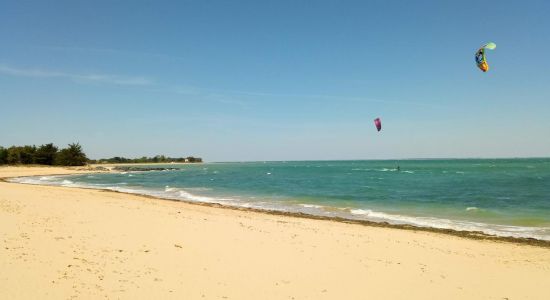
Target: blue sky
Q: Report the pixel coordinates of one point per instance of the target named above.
(277, 80)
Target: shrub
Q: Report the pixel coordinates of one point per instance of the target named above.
(14, 155)
(3, 155)
(71, 156)
(45, 154)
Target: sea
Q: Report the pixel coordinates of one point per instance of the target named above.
(503, 197)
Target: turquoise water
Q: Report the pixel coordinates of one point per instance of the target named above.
(507, 197)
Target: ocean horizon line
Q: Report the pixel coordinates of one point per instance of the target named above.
(381, 159)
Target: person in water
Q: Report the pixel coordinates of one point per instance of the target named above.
(398, 169)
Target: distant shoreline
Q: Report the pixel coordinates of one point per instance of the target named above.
(142, 164)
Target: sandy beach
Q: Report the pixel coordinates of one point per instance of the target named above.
(64, 243)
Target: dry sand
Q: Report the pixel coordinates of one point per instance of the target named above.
(12, 171)
(60, 243)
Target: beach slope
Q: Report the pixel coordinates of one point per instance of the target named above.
(60, 243)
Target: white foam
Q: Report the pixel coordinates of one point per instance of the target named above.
(168, 192)
(198, 189)
(361, 211)
(542, 233)
(179, 193)
(170, 189)
(377, 170)
(46, 180)
(188, 196)
(311, 206)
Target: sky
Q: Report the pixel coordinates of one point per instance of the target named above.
(276, 80)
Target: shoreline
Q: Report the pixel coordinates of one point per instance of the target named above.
(61, 242)
(474, 235)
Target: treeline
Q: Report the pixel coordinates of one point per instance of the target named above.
(144, 159)
(47, 154)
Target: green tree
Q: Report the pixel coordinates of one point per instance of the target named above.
(27, 154)
(14, 155)
(45, 154)
(3, 155)
(194, 159)
(71, 156)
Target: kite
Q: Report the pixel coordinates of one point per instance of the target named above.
(481, 61)
(378, 124)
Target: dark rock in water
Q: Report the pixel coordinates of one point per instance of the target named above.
(142, 169)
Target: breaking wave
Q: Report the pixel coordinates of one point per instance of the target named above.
(196, 194)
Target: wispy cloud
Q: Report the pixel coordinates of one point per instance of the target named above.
(333, 97)
(115, 52)
(99, 78)
(234, 97)
(239, 97)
